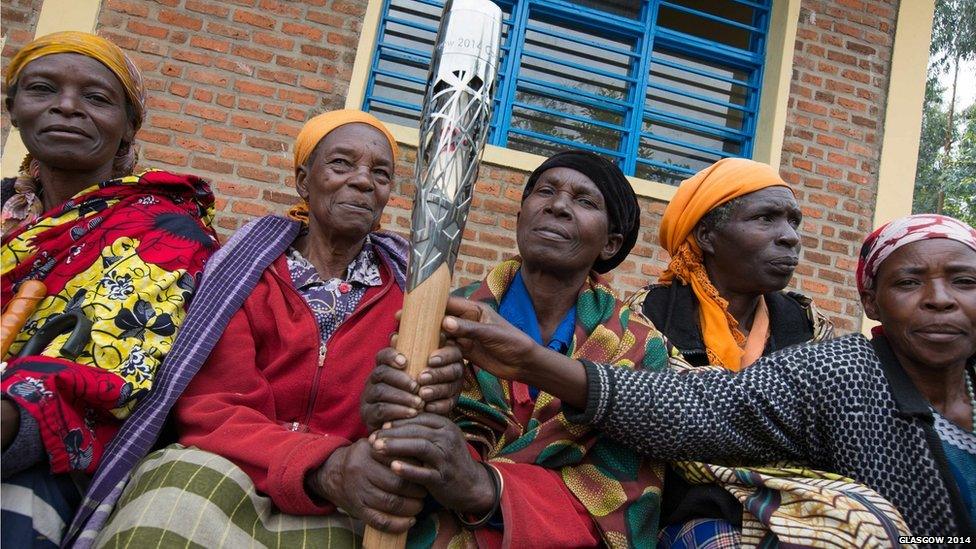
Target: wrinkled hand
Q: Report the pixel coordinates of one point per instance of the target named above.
(391, 394)
(488, 340)
(367, 489)
(439, 461)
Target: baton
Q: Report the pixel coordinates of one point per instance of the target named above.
(454, 126)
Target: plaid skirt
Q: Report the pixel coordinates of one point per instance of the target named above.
(187, 497)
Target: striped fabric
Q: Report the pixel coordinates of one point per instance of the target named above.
(185, 497)
(230, 276)
(36, 507)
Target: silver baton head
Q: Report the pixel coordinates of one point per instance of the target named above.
(453, 128)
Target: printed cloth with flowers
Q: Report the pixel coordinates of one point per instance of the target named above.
(564, 485)
(127, 254)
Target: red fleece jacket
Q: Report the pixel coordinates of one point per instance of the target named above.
(269, 403)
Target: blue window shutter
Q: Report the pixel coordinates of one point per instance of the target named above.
(663, 87)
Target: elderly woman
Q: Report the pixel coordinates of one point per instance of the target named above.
(118, 250)
(895, 412)
(527, 478)
(273, 414)
(731, 230)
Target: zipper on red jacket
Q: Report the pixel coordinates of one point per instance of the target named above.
(323, 350)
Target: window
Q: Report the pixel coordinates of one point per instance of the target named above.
(662, 87)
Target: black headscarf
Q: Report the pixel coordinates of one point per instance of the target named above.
(623, 211)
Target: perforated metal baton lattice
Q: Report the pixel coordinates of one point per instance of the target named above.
(453, 130)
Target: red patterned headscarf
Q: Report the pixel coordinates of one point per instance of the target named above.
(895, 234)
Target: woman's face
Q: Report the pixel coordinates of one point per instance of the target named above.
(924, 295)
(71, 112)
(757, 249)
(563, 224)
(347, 181)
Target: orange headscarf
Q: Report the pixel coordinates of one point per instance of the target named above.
(717, 184)
(317, 128)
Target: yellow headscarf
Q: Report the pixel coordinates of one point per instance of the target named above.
(717, 184)
(92, 46)
(317, 128)
(25, 204)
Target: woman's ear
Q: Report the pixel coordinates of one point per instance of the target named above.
(301, 185)
(614, 242)
(869, 301)
(703, 236)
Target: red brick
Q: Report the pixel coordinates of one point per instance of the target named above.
(274, 41)
(250, 122)
(254, 19)
(285, 9)
(142, 29)
(208, 43)
(198, 145)
(229, 32)
(301, 64)
(235, 65)
(146, 135)
(222, 134)
(195, 57)
(208, 113)
(211, 165)
(327, 19)
(297, 97)
(247, 104)
(240, 190)
(252, 88)
(249, 208)
(205, 96)
(264, 143)
(137, 9)
(176, 124)
(180, 20)
(810, 107)
(120, 40)
(256, 54)
(207, 77)
(165, 156)
(157, 102)
(242, 155)
(210, 8)
(349, 8)
(306, 31)
(342, 39)
(257, 174)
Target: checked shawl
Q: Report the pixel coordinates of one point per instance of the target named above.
(619, 489)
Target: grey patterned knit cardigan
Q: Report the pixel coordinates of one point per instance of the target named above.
(844, 405)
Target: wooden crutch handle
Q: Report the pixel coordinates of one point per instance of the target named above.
(18, 311)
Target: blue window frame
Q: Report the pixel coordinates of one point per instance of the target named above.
(663, 87)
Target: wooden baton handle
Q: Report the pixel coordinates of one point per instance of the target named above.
(418, 336)
(18, 310)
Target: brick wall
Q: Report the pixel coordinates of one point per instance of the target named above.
(19, 19)
(232, 81)
(230, 84)
(832, 145)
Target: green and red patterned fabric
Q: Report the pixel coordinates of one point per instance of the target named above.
(619, 490)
